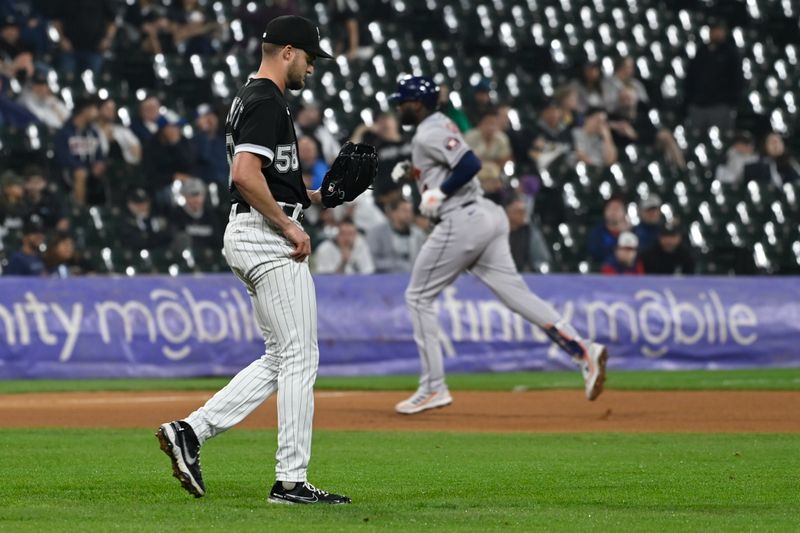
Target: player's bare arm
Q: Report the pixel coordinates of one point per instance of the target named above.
(246, 174)
(314, 196)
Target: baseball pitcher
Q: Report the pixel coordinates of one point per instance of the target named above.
(267, 249)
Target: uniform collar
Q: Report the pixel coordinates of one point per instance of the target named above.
(429, 117)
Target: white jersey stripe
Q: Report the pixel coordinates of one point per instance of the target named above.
(255, 149)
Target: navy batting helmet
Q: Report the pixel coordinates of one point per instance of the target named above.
(416, 88)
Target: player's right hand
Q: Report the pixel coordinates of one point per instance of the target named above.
(401, 170)
(432, 200)
(301, 242)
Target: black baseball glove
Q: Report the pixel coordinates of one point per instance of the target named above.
(351, 173)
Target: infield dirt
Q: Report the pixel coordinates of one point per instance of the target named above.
(542, 411)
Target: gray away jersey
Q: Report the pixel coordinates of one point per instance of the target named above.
(437, 147)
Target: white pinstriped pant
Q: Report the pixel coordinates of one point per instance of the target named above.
(285, 304)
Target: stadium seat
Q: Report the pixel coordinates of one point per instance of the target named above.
(528, 48)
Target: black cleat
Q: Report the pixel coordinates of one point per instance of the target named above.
(304, 493)
(180, 443)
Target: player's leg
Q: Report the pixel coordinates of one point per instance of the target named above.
(288, 290)
(297, 325)
(287, 309)
(245, 392)
(181, 440)
(449, 250)
(495, 267)
(247, 251)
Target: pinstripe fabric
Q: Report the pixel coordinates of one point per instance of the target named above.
(473, 238)
(284, 301)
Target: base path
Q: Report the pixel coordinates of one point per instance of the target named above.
(553, 411)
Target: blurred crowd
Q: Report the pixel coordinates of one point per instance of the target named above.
(175, 172)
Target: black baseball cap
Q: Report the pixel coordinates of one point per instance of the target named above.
(547, 103)
(39, 77)
(296, 31)
(138, 196)
(742, 136)
(8, 20)
(670, 228)
(34, 224)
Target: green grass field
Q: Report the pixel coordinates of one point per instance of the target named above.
(755, 379)
(118, 479)
(100, 480)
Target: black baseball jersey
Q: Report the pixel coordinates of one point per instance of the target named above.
(259, 122)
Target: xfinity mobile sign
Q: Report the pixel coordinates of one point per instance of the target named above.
(204, 325)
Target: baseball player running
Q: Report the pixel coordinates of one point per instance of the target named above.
(470, 234)
(267, 249)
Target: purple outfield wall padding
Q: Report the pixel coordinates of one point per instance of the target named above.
(152, 326)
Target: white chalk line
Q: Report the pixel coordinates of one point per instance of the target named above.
(135, 398)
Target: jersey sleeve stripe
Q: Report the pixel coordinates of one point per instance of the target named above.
(256, 149)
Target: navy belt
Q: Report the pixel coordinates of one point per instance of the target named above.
(465, 204)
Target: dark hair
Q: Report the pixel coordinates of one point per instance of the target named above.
(593, 111)
(765, 140)
(512, 198)
(548, 102)
(670, 228)
(391, 207)
(54, 239)
(33, 170)
(717, 22)
(783, 161)
(490, 111)
(596, 84)
(619, 61)
(302, 106)
(614, 198)
(271, 49)
(742, 136)
(83, 103)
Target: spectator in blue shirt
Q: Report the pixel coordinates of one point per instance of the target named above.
(139, 229)
(650, 221)
(61, 259)
(28, 261)
(16, 61)
(603, 237)
(13, 208)
(33, 26)
(145, 123)
(42, 200)
(209, 146)
(168, 157)
(78, 154)
(312, 164)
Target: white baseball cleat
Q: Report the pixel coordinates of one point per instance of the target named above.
(593, 368)
(421, 401)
